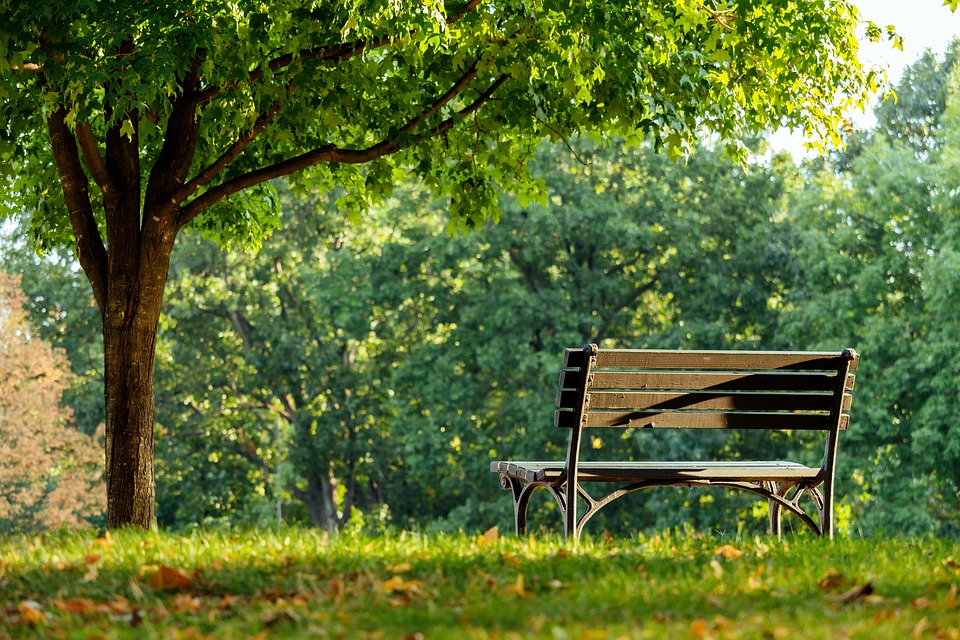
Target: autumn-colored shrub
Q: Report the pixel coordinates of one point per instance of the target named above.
(50, 472)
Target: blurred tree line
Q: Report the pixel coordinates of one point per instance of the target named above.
(366, 374)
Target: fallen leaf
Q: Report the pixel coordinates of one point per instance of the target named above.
(92, 558)
(170, 579)
(184, 602)
(517, 587)
(509, 558)
(698, 629)
(81, 606)
(921, 603)
(403, 567)
(30, 612)
(397, 584)
(489, 536)
(832, 579)
(855, 594)
(728, 551)
(559, 586)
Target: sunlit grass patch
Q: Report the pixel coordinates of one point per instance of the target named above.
(302, 583)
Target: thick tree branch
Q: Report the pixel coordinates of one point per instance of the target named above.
(123, 165)
(93, 159)
(90, 250)
(218, 165)
(179, 144)
(333, 153)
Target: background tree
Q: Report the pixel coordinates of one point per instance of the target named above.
(876, 249)
(171, 109)
(50, 473)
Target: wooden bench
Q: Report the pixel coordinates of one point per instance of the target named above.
(650, 389)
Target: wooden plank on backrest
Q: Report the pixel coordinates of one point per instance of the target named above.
(716, 360)
(701, 420)
(704, 380)
(738, 401)
(707, 420)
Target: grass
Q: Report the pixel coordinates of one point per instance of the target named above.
(300, 583)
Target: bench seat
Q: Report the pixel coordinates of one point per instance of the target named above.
(674, 471)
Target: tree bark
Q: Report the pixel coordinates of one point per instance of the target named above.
(129, 337)
(319, 498)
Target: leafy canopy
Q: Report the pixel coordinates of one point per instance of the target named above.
(459, 93)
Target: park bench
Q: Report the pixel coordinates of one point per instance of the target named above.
(652, 389)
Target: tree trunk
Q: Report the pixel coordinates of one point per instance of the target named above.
(319, 498)
(129, 341)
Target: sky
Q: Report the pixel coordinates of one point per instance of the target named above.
(923, 24)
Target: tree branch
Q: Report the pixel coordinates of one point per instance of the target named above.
(333, 153)
(218, 165)
(608, 320)
(93, 159)
(179, 145)
(73, 181)
(337, 53)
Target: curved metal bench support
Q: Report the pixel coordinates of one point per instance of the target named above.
(775, 493)
(779, 495)
(522, 492)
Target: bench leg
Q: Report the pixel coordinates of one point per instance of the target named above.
(521, 500)
(775, 511)
(826, 510)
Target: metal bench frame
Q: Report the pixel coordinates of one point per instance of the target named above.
(652, 389)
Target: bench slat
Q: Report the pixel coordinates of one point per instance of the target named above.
(700, 420)
(694, 381)
(742, 401)
(710, 360)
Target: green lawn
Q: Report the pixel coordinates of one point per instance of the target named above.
(298, 583)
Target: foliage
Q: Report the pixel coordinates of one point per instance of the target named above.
(294, 583)
(170, 110)
(877, 245)
(49, 472)
(284, 358)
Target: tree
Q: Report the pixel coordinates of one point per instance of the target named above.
(878, 261)
(180, 113)
(282, 361)
(50, 473)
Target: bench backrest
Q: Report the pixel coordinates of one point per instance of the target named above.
(610, 388)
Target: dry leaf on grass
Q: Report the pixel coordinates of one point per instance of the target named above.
(517, 587)
(833, 579)
(81, 606)
(858, 593)
(490, 536)
(170, 579)
(728, 551)
(31, 613)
